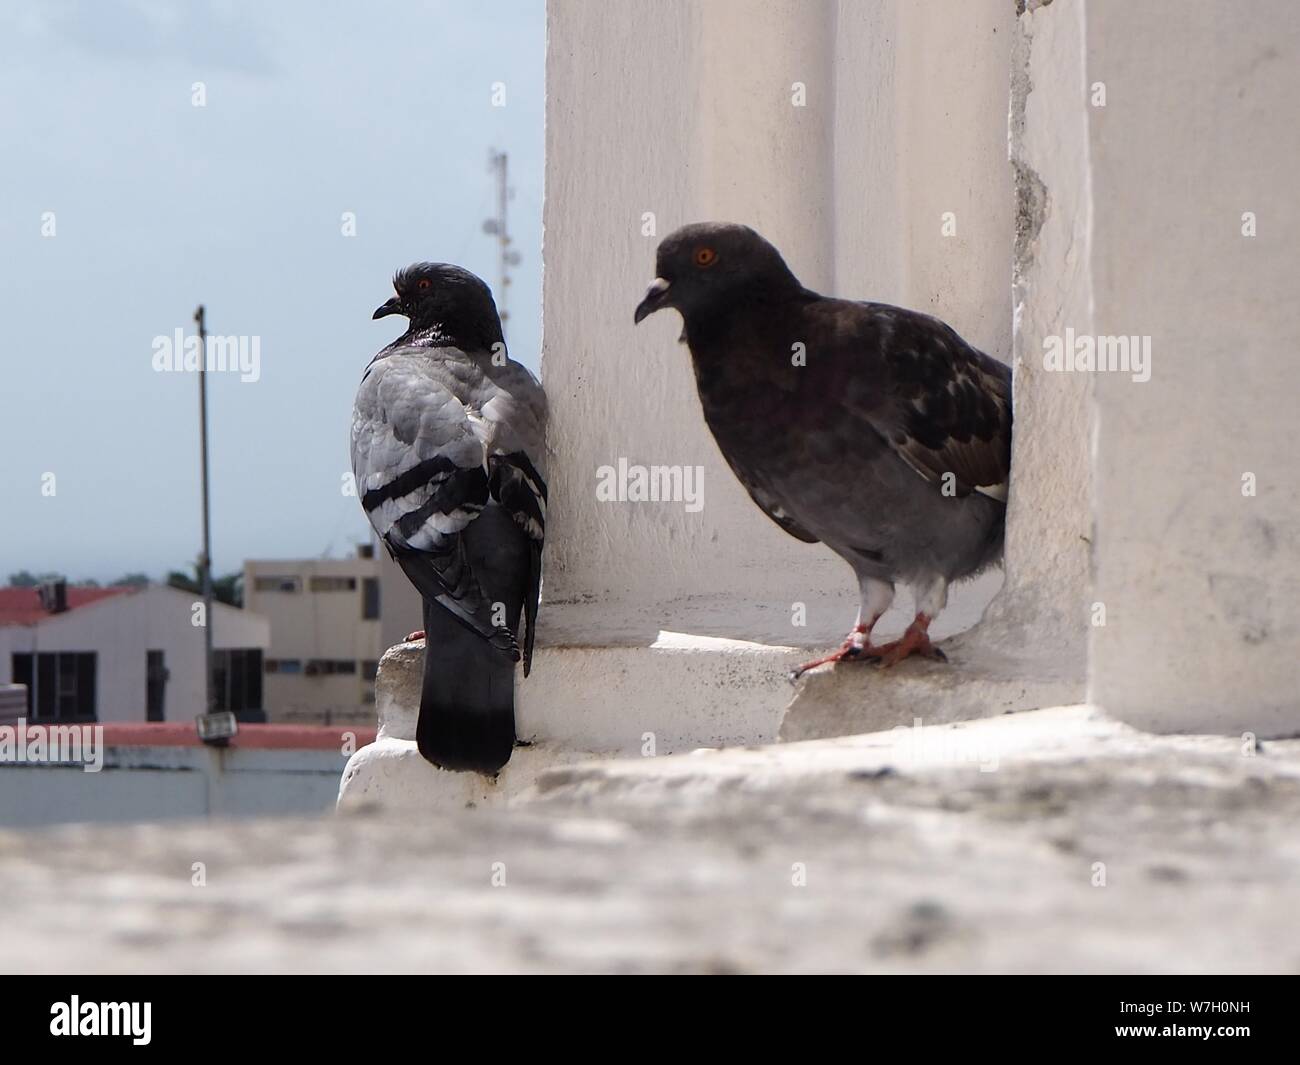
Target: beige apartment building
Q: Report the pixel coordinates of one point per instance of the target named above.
(325, 636)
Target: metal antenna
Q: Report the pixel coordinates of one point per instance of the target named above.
(498, 164)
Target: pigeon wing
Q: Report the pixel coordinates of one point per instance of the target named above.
(769, 506)
(519, 489)
(943, 406)
(423, 476)
(515, 417)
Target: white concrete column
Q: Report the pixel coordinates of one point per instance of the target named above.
(683, 112)
(1195, 231)
(1043, 606)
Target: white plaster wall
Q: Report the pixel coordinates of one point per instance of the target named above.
(1201, 584)
(920, 120)
(400, 611)
(121, 629)
(684, 109)
(1044, 604)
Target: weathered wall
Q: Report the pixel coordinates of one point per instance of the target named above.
(1200, 579)
(1045, 600)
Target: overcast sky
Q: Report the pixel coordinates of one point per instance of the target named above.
(312, 109)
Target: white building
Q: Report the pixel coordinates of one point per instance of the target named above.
(124, 654)
(325, 635)
(403, 610)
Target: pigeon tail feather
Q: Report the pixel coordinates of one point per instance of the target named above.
(467, 714)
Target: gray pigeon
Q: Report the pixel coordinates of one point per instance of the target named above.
(447, 443)
(875, 430)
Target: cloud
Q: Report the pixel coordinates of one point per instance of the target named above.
(207, 34)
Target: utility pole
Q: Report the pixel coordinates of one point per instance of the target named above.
(205, 559)
(498, 164)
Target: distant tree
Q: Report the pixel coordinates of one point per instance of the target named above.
(27, 579)
(131, 580)
(228, 589)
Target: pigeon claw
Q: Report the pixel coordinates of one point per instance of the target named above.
(856, 648)
(859, 648)
(414, 637)
(915, 641)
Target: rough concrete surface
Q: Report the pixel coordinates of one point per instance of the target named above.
(891, 852)
(981, 678)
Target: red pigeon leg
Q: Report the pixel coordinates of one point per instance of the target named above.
(857, 646)
(414, 637)
(915, 641)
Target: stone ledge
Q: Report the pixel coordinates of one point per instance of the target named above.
(580, 703)
(391, 774)
(689, 691)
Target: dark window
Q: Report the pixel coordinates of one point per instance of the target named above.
(317, 667)
(370, 598)
(333, 584)
(370, 669)
(155, 686)
(277, 584)
(63, 688)
(284, 665)
(237, 680)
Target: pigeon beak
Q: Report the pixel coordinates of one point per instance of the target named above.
(656, 298)
(393, 306)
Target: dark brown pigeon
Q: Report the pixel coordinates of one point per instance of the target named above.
(875, 430)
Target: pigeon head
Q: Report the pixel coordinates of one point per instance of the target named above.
(446, 302)
(704, 267)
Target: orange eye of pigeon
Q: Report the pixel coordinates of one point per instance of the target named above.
(423, 283)
(705, 256)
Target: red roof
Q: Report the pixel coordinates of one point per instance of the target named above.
(22, 606)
